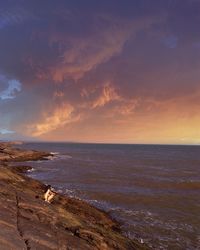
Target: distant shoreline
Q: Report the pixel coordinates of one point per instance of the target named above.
(111, 143)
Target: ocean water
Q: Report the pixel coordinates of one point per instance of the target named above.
(152, 190)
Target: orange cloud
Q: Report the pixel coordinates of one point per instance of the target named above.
(87, 53)
(127, 107)
(108, 94)
(82, 54)
(58, 94)
(53, 120)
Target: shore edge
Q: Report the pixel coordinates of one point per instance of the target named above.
(67, 223)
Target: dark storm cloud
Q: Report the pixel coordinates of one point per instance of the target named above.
(91, 59)
(37, 44)
(48, 29)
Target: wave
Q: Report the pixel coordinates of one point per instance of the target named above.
(57, 156)
(54, 153)
(31, 170)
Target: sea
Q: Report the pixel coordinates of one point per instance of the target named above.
(152, 190)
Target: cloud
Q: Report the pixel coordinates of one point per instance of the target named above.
(52, 120)
(58, 94)
(64, 44)
(75, 55)
(107, 95)
(128, 107)
(87, 53)
(76, 66)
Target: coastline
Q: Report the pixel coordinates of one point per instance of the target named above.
(28, 222)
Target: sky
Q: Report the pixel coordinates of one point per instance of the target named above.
(100, 71)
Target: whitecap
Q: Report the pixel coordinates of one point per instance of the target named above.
(31, 170)
(54, 153)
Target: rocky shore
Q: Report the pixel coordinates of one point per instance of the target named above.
(9, 153)
(28, 222)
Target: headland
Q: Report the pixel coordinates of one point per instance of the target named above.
(28, 222)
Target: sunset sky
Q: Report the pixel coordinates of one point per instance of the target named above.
(120, 71)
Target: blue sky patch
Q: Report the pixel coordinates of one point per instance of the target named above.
(13, 87)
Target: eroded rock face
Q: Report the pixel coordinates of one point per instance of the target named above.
(8, 153)
(28, 222)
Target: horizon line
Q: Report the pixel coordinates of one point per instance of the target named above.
(105, 143)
